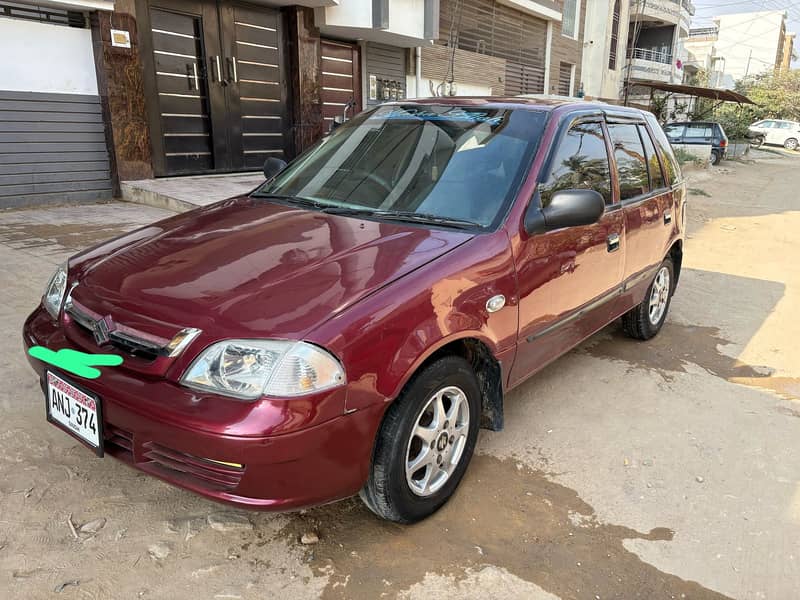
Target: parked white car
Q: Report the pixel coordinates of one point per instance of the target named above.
(775, 131)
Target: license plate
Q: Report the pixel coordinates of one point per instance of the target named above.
(76, 411)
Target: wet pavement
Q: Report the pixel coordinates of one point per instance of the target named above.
(666, 469)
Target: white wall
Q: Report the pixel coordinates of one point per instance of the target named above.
(598, 80)
(37, 57)
(353, 19)
(741, 34)
(462, 89)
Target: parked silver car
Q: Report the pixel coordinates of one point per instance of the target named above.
(775, 131)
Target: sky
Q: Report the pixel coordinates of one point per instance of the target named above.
(706, 9)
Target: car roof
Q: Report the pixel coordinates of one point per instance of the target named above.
(530, 102)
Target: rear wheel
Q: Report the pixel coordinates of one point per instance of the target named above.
(645, 320)
(425, 443)
(715, 158)
(790, 144)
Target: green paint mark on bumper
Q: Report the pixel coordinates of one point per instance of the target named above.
(78, 363)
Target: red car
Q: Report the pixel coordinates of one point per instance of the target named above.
(350, 325)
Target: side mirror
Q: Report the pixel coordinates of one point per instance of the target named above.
(273, 166)
(567, 208)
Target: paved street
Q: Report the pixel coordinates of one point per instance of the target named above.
(667, 469)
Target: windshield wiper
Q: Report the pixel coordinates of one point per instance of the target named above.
(389, 215)
(296, 200)
(402, 215)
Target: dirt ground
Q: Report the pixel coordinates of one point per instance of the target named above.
(660, 470)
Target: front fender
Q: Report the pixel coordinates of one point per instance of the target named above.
(383, 339)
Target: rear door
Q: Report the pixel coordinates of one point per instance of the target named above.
(675, 132)
(644, 196)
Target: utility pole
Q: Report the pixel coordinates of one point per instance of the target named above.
(747, 69)
(635, 38)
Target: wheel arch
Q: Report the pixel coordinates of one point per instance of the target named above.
(676, 254)
(487, 369)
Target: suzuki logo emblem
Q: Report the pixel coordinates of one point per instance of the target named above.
(101, 330)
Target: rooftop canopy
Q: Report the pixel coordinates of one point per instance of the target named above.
(695, 90)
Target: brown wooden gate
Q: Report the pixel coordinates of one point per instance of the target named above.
(216, 93)
(341, 79)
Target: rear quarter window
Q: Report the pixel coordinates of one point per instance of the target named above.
(671, 166)
(630, 159)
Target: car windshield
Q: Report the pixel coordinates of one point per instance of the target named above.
(441, 164)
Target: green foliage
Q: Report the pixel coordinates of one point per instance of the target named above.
(685, 157)
(777, 95)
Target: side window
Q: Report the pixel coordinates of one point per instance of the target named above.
(653, 164)
(698, 130)
(671, 168)
(783, 125)
(631, 163)
(674, 131)
(767, 124)
(581, 162)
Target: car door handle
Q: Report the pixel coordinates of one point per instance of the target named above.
(667, 217)
(612, 242)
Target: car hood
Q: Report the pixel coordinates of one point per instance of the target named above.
(249, 268)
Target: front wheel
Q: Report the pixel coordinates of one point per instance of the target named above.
(425, 443)
(757, 142)
(645, 320)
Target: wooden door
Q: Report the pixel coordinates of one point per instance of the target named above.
(256, 89)
(216, 91)
(183, 106)
(341, 80)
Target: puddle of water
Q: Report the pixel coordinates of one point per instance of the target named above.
(504, 515)
(672, 349)
(72, 236)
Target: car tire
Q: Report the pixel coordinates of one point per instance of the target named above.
(401, 494)
(757, 142)
(715, 158)
(790, 144)
(646, 319)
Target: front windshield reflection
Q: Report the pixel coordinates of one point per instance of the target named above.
(453, 162)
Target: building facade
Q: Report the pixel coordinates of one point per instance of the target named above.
(504, 48)
(741, 45)
(605, 41)
(655, 50)
(752, 43)
(103, 91)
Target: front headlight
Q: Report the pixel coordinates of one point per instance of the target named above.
(54, 292)
(254, 368)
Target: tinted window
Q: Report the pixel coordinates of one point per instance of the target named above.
(671, 167)
(698, 130)
(631, 164)
(653, 164)
(783, 125)
(581, 162)
(767, 124)
(458, 162)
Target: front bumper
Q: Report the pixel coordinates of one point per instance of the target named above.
(196, 441)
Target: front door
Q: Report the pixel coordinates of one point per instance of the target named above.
(217, 87)
(570, 277)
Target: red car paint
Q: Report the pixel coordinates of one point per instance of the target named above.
(382, 297)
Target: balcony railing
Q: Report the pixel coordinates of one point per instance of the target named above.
(655, 55)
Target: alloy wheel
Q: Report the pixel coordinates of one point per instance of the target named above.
(437, 441)
(659, 296)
